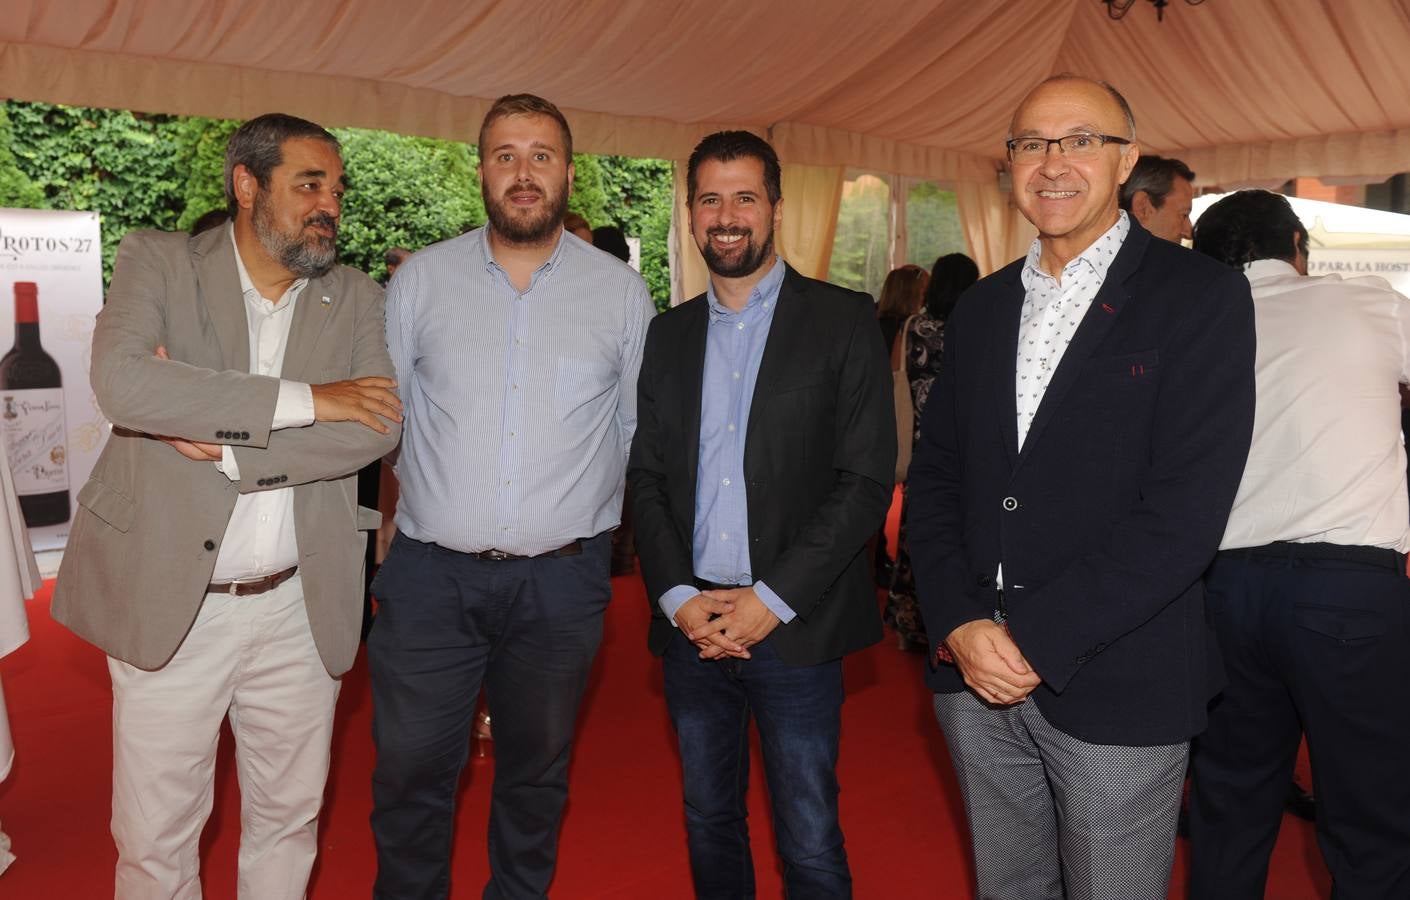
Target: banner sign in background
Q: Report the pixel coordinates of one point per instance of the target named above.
(51, 289)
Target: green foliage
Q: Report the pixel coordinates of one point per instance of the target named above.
(112, 161)
(200, 157)
(404, 192)
(589, 198)
(16, 188)
(932, 225)
(640, 205)
(859, 249)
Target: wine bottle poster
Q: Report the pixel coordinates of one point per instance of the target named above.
(51, 289)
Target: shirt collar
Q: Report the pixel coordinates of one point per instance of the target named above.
(548, 265)
(1090, 263)
(247, 287)
(1261, 269)
(764, 295)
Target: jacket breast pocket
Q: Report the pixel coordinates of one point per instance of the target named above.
(1140, 367)
(107, 504)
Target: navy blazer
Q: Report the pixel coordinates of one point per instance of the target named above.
(819, 457)
(1116, 504)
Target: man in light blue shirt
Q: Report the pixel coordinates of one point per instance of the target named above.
(517, 347)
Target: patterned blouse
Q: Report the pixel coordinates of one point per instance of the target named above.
(925, 344)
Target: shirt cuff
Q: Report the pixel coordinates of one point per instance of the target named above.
(675, 598)
(227, 465)
(294, 408)
(774, 602)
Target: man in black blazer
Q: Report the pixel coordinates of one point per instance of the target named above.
(762, 462)
(1077, 463)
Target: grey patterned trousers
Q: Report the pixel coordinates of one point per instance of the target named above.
(1055, 818)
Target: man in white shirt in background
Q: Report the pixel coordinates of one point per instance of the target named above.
(1308, 595)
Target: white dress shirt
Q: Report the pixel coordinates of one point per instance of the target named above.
(1328, 461)
(259, 539)
(1052, 310)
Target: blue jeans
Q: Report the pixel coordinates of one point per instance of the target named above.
(798, 710)
(446, 621)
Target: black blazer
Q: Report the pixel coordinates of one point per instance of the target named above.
(819, 457)
(1106, 520)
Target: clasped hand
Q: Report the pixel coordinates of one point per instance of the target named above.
(726, 623)
(991, 663)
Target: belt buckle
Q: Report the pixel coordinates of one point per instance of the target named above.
(497, 555)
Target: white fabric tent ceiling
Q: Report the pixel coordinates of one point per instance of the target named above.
(1245, 90)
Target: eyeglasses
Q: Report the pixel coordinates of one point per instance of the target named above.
(1073, 146)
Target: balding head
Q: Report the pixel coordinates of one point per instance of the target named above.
(1069, 192)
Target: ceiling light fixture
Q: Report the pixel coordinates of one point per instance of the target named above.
(1117, 9)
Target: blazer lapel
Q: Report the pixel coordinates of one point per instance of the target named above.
(692, 371)
(1106, 306)
(312, 311)
(1008, 307)
(778, 349)
(218, 289)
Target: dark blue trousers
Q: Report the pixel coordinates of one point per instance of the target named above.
(446, 621)
(798, 710)
(1316, 646)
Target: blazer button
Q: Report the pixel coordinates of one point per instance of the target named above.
(1081, 660)
(209, 545)
(985, 581)
(1010, 504)
(244, 435)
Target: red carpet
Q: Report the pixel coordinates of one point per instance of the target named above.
(623, 837)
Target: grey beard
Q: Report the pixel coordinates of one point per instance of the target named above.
(308, 257)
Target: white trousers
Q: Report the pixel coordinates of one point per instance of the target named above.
(254, 659)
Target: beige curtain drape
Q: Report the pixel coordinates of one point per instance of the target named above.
(995, 230)
(811, 195)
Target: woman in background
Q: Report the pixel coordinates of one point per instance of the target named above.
(902, 293)
(924, 342)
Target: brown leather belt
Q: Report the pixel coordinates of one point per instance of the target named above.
(573, 548)
(249, 588)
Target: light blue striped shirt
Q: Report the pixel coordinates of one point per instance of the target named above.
(734, 349)
(519, 408)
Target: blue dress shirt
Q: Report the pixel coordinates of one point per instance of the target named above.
(519, 406)
(734, 348)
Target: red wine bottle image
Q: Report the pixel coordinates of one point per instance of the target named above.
(32, 418)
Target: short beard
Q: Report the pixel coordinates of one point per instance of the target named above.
(312, 256)
(747, 263)
(526, 230)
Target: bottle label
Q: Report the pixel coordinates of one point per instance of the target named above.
(32, 422)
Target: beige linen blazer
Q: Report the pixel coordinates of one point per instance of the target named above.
(149, 522)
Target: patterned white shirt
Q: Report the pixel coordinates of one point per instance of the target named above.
(1052, 310)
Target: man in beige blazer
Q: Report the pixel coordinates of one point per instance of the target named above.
(216, 553)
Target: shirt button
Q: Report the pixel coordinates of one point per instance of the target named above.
(264, 518)
(729, 427)
(740, 326)
(724, 535)
(736, 376)
(1010, 504)
(725, 482)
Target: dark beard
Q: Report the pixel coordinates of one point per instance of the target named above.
(746, 263)
(538, 228)
(307, 257)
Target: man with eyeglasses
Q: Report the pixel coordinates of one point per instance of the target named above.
(1077, 463)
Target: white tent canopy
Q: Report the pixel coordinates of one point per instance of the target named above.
(1246, 91)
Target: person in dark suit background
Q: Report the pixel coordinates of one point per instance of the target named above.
(1078, 459)
(763, 460)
